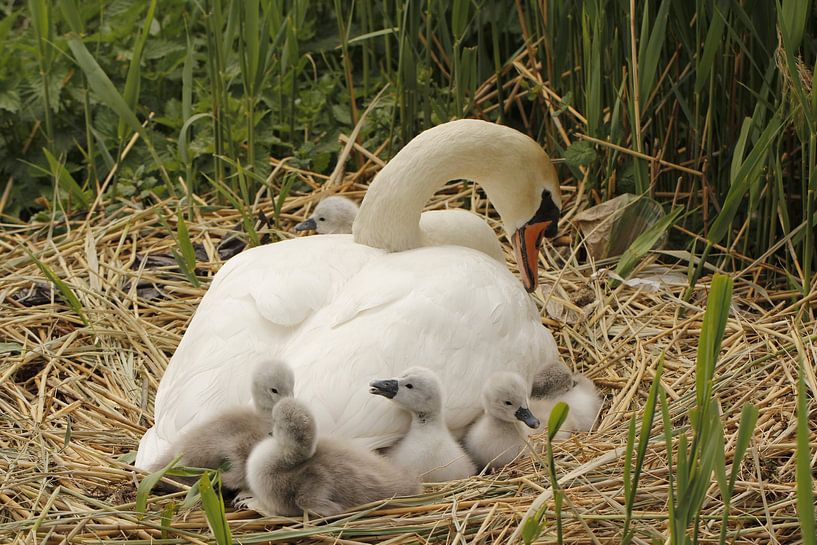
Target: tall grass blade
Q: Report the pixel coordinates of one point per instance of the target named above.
(64, 289)
(133, 79)
(803, 469)
(65, 180)
(213, 504)
(643, 244)
(104, 88)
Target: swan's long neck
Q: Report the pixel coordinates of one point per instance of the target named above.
(490, 155)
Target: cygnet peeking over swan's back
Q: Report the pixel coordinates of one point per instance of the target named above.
(497, 437)
(428, 450)
(455, 227)
(294, 472)
(555, 383)
(230, 435)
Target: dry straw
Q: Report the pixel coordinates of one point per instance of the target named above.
(76, 398)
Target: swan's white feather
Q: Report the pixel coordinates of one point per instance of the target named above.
(342, 314)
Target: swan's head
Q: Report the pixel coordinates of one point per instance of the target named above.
(533, 213)
(505, 396)
(272, 381)
(294, 425)
(332, 216)
(418, 390)
(552, 381)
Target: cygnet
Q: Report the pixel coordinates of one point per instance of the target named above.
(331, 216)
(556, 383)
(294, 471)
(230, 435)
(428, 450)
(498, 436)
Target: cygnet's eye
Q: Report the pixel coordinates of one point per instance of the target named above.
(409, 386)
(274, 390)
(321, 219)
(508, 403)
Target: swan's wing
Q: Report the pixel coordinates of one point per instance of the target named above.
(453, 310)
(249, 312)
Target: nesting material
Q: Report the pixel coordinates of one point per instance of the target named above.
(76, 398)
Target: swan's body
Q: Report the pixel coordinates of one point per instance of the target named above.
(499, 435)
(231, 434)
(344, 310)
(428, 450)
(556, 383)
(294, 472)
(336, 214)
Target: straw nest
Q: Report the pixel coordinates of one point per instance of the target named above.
(75, 397)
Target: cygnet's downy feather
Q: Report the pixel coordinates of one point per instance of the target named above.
(428, 450)
(499, 435)
(555, 383)
(228, 437)
(294, 471)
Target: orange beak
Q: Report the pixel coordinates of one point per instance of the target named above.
(526, 243)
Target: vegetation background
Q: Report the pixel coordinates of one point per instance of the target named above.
(705, 104)
(117, 115)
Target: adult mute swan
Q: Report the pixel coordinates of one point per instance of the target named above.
(344, 310)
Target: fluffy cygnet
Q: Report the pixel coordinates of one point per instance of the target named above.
(428, 450)
(332, 216)
(230, 435)
(456, 227)
(556, 383)
(293, 471)
(497, 437)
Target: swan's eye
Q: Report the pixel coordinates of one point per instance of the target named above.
(409, 386)
(321, 219)
(508, 403)
(274, 390)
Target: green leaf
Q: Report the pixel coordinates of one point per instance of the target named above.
(214, 512)
(70, 10)
(557, 417)
(65, 290)
(107, 93)
(713, 42)
(147, 484)
(580, 153)
(709, 345)
(643, 244)
(805, 481)
(65, 180)
(748, 173)
(133, 80)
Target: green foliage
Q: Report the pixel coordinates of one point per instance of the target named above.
(212, 84)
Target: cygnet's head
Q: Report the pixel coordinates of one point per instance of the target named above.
(552, 381)
(505, 396)
(332, 216)
(294, 425)
(418, 390)
(272, 381)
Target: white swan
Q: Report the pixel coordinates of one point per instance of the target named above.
(336, 214)
(343, 311)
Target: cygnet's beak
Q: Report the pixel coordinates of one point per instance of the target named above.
(385, 388)
(527, 240)
(307, 225)
(524, 414)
